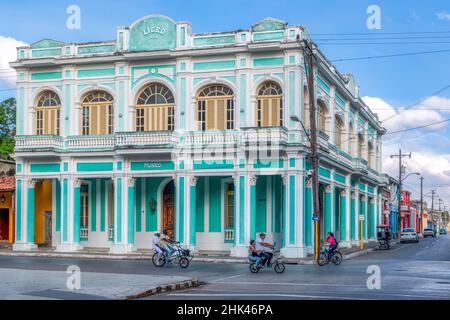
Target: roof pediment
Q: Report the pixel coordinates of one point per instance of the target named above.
(269, 24)
(47, 43)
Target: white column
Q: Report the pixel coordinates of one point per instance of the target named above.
(68, 242)
(122, 244)
(295, 248)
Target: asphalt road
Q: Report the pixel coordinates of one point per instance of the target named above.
(408, 271)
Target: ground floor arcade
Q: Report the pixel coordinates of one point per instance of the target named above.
(213, 210)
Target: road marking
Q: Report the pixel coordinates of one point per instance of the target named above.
(292, 284)
(226, 278)
(270, 295)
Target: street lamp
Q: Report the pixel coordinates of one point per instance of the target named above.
(413, 173)
(297, 119)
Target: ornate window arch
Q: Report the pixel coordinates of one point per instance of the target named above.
(97, 113)
(155, 108)
(371, 161)
(306, 107)
(339, 132)
(361, 146)
(269, 111)
(48, 112)
(215, 108)
(351, 137)
(322, 115)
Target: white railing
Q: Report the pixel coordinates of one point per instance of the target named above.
(229, 235)
(90, 142)
(84, 233)
(38, 142)
(212, 137)
(124, 139)
(265, 135)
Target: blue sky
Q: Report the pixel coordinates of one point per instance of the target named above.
(397, 82)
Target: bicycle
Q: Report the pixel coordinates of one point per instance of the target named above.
(278, 266)
(325, 258)
(180, 256)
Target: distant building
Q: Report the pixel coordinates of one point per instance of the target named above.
(7, 189)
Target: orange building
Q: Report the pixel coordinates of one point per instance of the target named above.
(7, 188)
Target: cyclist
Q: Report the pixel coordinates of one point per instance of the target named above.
(266, 249)
(331, 240)
(156, 244)
(166, 244)
(255, 255)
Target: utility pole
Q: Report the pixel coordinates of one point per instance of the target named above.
(421, 205)
(400, 156)
(433, 192)
(313, 139)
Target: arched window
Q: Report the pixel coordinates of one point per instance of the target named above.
(322, 117)
(339, 132)
(371, 156)
(48, 108)
(215, 108)
(351, 136)
(97, 117)
(155, 109)
(306, 107)
(361, 146)
(270, 105)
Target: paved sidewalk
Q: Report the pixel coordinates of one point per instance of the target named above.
(40, 284)
(348, 253)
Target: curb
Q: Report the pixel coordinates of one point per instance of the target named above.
(175, 286)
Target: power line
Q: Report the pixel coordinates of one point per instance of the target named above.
(382, 43)
(380, 33)
(417, 103)
(390, 55)
(418, 127)
(382, 38)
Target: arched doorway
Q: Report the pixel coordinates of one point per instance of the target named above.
(168, 217)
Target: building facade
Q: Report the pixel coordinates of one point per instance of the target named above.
(166, 129)
(7, 188)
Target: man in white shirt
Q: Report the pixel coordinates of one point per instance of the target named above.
(156, 244)
(266, 248)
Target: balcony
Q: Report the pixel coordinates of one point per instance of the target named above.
(360, 165)
(265, 136)
(38, 143)
(211, 138)
(322, 140)
(144, 139)
(384, 180)
(90, 143)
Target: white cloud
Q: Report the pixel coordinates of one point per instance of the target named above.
(8, 53)
(397, 119)
(444, 15)
(436, 103)
(429, 155)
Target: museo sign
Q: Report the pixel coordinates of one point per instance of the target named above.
(153, 33)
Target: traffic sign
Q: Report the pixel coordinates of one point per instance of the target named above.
(361, 217)
(316, 218)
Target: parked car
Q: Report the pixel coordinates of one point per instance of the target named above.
(429, 232)
(442, 232)
(409, 235)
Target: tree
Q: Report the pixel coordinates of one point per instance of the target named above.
(7, 128)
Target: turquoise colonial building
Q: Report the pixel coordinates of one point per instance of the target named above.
(166, 129)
